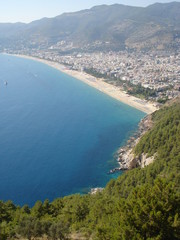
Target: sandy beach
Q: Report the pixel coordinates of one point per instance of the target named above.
(102, 86)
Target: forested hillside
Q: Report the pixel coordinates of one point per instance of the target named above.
(140, 204)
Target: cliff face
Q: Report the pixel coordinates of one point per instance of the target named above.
(157, 134)
(159, 139)
(127, 158)
(131, 161)
(142, 161)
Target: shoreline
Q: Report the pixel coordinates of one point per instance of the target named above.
(113, 92)
(125, 156)
(99, 84)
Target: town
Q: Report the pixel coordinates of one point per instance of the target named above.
(152, 76)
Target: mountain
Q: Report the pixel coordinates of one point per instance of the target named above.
(106, 27)
(140, 204)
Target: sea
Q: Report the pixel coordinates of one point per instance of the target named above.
(58, 136)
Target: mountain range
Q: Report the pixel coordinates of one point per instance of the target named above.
(104, 27)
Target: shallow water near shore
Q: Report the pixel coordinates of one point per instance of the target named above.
(57, 135)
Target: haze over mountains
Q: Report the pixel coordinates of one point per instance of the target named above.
(114, 27)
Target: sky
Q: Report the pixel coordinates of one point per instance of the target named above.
(30, 10)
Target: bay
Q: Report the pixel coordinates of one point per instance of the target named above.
(58, 136)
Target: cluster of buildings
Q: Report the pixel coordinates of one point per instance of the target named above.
(160, 72)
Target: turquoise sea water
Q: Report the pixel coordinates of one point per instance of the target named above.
(57, 135)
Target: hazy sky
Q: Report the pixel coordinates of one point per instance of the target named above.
(29, 10)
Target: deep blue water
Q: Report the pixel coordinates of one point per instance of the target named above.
(57, 135)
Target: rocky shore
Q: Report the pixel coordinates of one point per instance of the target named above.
(125, 156)
(95, 190)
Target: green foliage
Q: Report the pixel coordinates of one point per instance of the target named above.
(96, 74)
(142, 204)
(152, 212)
(139, 91)
(164, 137)
(163, 100)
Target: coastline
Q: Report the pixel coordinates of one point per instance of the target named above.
(125, 156)
(113, 92)
(100, 85)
